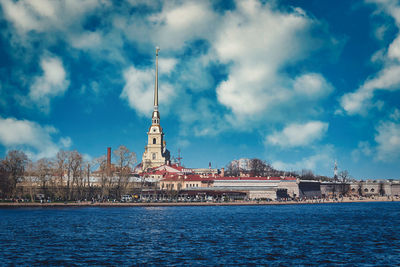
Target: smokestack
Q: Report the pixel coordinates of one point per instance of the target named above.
(108, 159)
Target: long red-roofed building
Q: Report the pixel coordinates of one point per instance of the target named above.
(177, 178)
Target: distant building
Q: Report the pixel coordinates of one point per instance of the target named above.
(242, 164)
(375, 188)
(250, 187)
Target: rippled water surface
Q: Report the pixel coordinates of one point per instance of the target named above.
(321, 234)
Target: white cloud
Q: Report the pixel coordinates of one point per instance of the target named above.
(47, 15)
(312, 85)
(46, 22)
(259, 41)
(166, 65)
(387, 79)
(363, 149)
(360, 101)
(53, 82)
(388, 6)
(139, 90)
(20, 15)
(86, 40)
(380, 32)
(65, 141)
(295, 135)
(395, 115)
(394, 49)
(388, 141)
(320, 161)
(31, 137)
(177, 24)
(257, 55)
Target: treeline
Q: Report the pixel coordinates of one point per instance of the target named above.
(254, 167)
(258, 167)
(67, 176)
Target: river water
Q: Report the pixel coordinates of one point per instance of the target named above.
(319, 234)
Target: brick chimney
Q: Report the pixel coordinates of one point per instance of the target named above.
(108, 160)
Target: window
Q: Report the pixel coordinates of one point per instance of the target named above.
(154, 156)
(366, 190)
(372, 190)
(154, 141)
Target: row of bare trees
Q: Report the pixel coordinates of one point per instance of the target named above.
(67, 176)
(254, 167)
(258, 167)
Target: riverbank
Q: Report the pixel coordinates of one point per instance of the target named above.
(167, 204)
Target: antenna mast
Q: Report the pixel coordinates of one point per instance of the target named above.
(179, 157)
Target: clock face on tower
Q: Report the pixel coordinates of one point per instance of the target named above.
(154, 130)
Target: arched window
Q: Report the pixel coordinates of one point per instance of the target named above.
(366, 190)
(154, 141)
(154, 155)
(372, 190)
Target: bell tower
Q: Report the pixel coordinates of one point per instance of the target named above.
(155, 152)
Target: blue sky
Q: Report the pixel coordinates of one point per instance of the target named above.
(296, 83)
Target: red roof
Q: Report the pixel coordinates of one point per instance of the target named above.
(196, 177)
(189, 177)
(256, 178)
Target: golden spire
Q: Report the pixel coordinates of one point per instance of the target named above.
(156, 85)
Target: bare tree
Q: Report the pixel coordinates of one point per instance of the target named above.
(125, 160)
(74, 171)
(344, 176)
(103, 174)
(232, 169)
(30, 179)
(307, 175)
(4, 180)
(14, 166)
(60, 168)
(43, 172)
(258, 167)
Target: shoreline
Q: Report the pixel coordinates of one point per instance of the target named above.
(183, 204)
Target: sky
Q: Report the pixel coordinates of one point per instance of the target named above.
(298, 84)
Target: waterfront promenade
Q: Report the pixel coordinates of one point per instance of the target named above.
(209, 203)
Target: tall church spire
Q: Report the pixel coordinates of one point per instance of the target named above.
(156, 114)
(156, 84)
(155, 152)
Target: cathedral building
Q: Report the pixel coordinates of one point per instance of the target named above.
(155, 152)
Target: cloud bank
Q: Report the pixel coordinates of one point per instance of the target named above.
(295, 135)
(32, 138)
